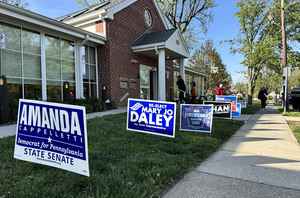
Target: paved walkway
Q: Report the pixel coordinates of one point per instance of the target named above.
(262, 160)
(10, 130)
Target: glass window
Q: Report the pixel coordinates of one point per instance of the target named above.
(32, 66)
(90, 77)
(68, 70)
(33, 89)
(12, 37)
(60, 64)
(11, 62)
(31, 44)
(145, 82)
(53, 68)
(54, 91)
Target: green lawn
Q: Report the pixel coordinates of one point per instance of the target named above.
(295, 127)
(292, 113)
(122, 164)
(251, 109)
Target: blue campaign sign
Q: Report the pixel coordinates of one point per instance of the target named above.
(52, 134)
(231, 98)
(238, 111)
(153, 117)
(196, 118)
(243, 103)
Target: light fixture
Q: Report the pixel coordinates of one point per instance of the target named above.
(2, 80)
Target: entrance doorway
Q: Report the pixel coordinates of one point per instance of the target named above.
(148, 83)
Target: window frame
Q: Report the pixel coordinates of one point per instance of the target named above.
(89, 64)
(42, 61)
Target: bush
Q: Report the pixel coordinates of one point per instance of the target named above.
(91, 105)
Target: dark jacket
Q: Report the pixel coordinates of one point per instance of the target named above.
(181, 85)
(262, 95)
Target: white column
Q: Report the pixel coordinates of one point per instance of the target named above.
(79, 64)
(182, 69)
(43, 67)
(162, 75)
(97, 72)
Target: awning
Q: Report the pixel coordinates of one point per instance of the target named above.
(170, 40)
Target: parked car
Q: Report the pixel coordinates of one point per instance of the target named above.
(295, 98)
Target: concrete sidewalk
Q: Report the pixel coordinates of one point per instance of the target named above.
(10, 130)
(261, 160)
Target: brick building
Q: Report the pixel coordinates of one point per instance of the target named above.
(114, 50)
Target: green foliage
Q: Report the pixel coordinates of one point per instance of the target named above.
(205, 59)
(122, 163)
(240, 87)
(180, 14)
(295, 127)
(260, 42)
(294, 80)
(91, 105)
(251, 109)
(18, 3)
(254, 44)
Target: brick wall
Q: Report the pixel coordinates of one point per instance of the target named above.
(121, 64)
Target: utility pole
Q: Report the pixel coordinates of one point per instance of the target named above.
(284, 58)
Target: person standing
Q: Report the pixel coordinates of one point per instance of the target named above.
(219, 90)
(182, 89)
(193, 92)
(263, 96)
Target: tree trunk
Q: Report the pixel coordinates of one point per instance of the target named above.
(251, 88)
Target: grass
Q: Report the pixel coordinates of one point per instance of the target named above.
(295, 127)
(251, 109)
(122, 164)
(292, 114)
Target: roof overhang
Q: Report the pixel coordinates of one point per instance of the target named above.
(174, 45)
(107, 11)
(48, 23)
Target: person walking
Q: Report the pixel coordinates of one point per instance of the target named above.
(263, 96)
(182, 89)
(193, 92)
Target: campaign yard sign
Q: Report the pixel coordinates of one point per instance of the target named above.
(243, 103)
(238, 111)
(52, 134)
(232, 98)
(153, 117)
(221, 109)
(196, 118)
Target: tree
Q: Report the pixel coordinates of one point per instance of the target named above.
(181, 13)
(260, 41)
(205, 60)
(292, 18)
(18, 3)
(88, 3)
(254, 44)
(294, 80)
(240, 87)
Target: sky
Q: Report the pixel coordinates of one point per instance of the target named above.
(223, 27)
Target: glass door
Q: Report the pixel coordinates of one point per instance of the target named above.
(145, 87)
